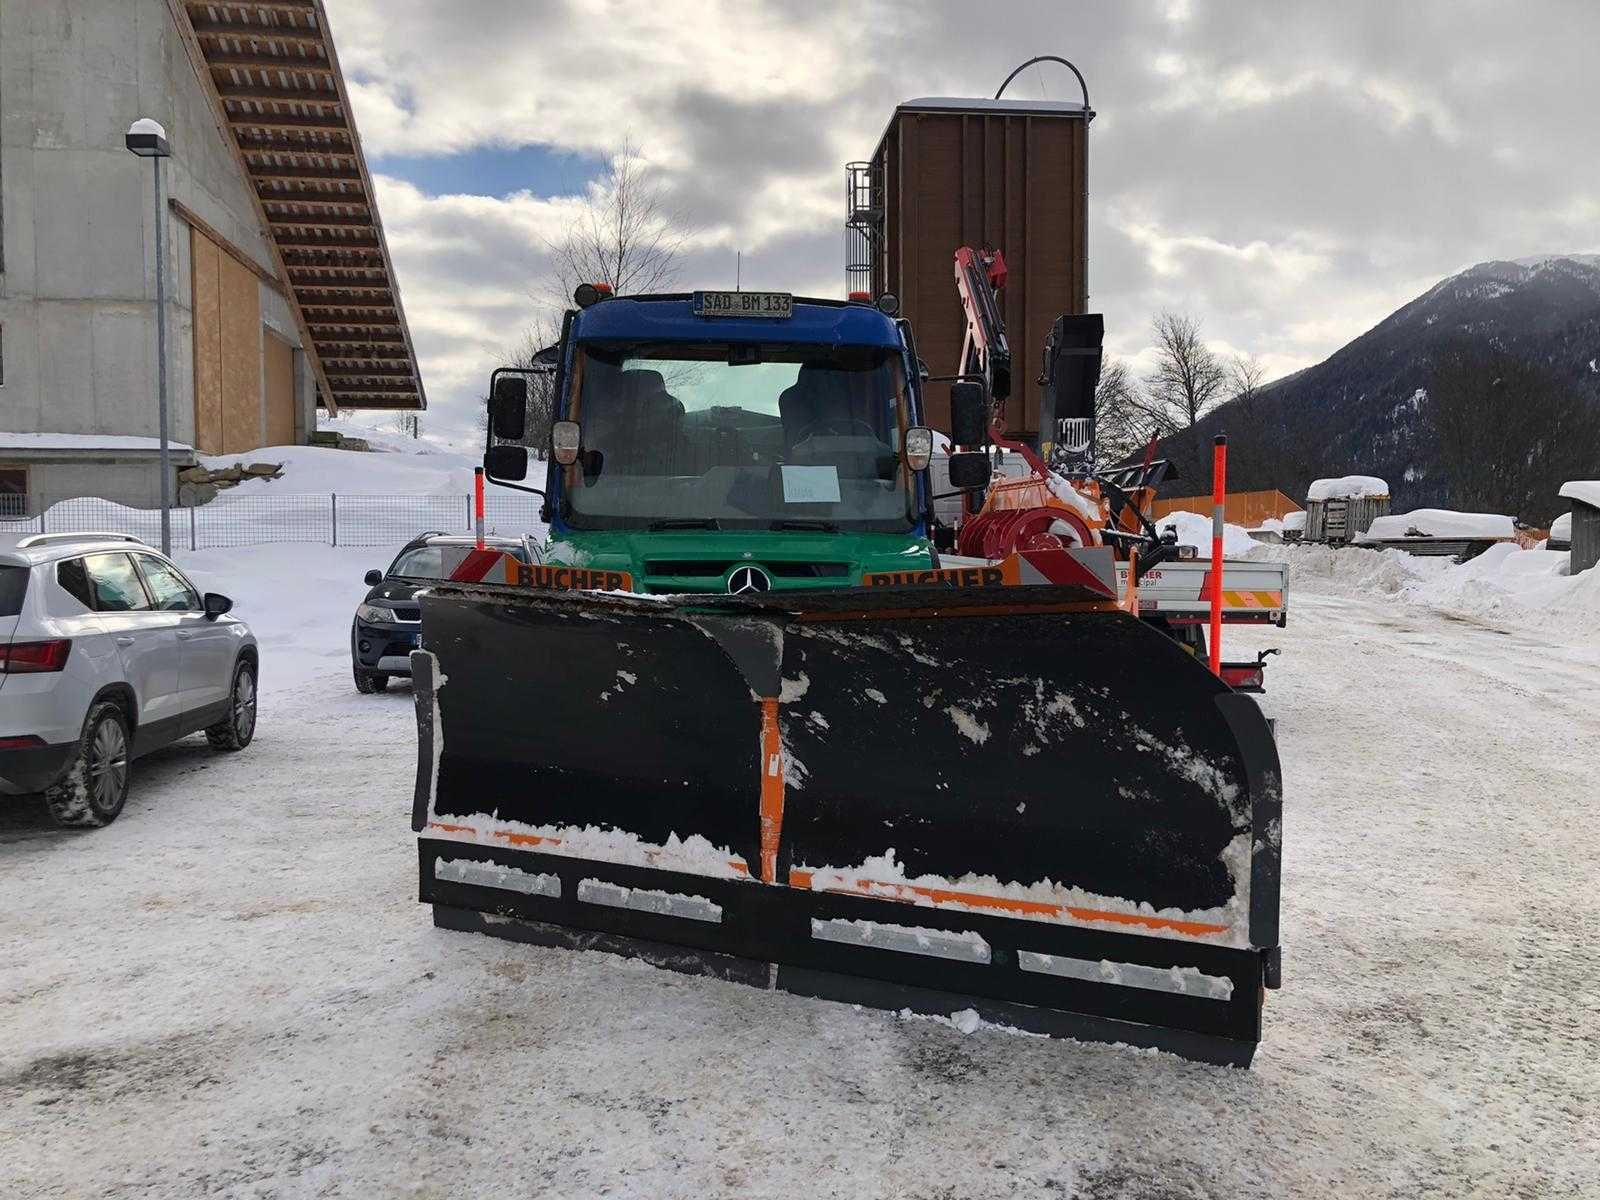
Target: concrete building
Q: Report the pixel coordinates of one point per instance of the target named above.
(280, 291)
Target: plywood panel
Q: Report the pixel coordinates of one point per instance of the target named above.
(240, 305)
(203, 255)
(278, 362)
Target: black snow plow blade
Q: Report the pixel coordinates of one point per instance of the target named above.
(1054, 817)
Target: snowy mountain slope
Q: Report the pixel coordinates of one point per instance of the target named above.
(1359, 409)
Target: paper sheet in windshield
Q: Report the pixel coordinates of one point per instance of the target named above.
(810, 485)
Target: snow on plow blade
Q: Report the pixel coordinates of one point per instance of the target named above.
(1037, 809)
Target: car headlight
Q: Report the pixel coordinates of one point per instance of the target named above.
(375, 612)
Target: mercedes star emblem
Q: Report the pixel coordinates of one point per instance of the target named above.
(748, 579)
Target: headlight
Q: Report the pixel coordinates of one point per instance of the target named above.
(919, 447)
(375, 612)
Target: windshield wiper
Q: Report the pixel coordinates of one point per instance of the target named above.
(819, 526)
(686, 523)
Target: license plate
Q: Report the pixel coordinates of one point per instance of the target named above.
(743, 304)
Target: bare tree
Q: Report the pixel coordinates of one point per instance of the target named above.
(1189, 380)
(1245, 377)
(1121, 427)
(624, 235)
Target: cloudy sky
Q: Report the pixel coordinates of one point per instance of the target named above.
(1287, 172)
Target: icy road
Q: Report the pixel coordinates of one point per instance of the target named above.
(232, 991)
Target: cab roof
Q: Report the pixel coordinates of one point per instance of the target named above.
(671, 318)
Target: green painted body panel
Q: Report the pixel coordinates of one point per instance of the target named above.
(695, 560)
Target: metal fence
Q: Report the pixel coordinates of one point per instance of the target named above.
(253, 520)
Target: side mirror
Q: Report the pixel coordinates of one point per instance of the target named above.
(373, 578)
(969, 471)
(216, 605)
(508, 407)
(565, 438)
(969, 413)
(506, 462)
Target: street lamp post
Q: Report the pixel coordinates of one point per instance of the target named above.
(148, 139)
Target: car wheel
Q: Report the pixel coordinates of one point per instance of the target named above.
(96, 785)
(370, 682)
(235, 730)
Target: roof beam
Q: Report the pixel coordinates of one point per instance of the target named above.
(262, 171)
(297, 34)
(268, 62)
(319, 200)
(368, 372)
(304, 8)
(247, 120)
(319, 221)
(286, 145)
(277, 95)
(326, 323)
(300, 241)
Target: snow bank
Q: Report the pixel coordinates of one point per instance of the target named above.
(1439, 523)
(1294, 522)
(1505, 584)
(1586, 491)
(1195, 530)
(388, 470)
(1347, 487)
(1561, 528)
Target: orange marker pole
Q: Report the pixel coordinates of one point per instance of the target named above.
(477, 502)
(1219, 498)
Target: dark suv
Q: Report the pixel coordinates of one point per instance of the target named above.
(388, 623)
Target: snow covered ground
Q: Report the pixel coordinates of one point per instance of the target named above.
(232, 991)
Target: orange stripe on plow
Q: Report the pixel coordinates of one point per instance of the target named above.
(1005, 904)
(451, 828)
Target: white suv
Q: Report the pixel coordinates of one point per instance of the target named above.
(107, 651)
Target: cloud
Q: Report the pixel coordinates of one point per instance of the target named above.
(1289, 174)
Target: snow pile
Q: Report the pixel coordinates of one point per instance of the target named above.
(1439, 523)
(1561, 528)
(1522, 587)
(398, 468)
(1350, 571)
(1195, 530)
(1585, 491)
(1505, 584)
(1347, 487)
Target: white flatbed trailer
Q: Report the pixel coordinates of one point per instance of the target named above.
(1253, 593)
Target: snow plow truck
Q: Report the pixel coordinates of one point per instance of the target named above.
(754, 715)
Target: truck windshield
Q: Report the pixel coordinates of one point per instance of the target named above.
(740, 437)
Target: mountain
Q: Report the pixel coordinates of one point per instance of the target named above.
(1359, 411)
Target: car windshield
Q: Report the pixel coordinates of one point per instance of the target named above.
(740, 437)
(439, 560)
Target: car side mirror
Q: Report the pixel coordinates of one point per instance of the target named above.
(372, 578)
(969, 413)
(969, 471)
(216, 605)
(508, 407)
(506, 462)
